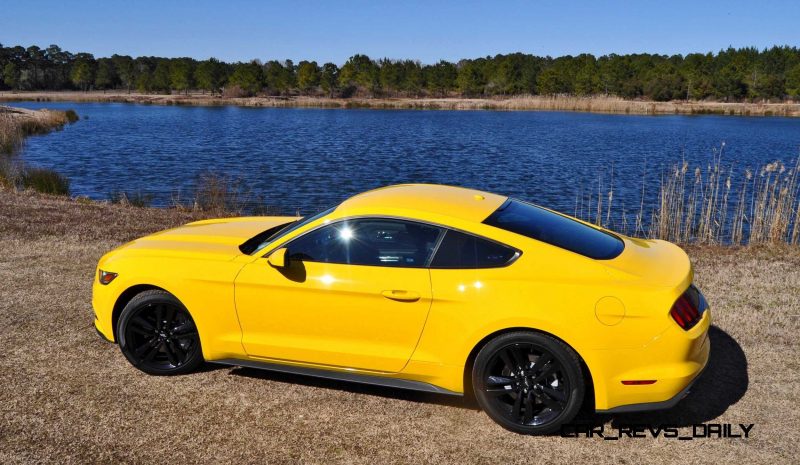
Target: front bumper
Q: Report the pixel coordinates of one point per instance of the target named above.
(103, 298)
(100, 333)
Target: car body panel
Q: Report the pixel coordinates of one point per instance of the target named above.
(333, 314)
(613, 313)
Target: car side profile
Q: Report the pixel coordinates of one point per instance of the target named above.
(427, 287)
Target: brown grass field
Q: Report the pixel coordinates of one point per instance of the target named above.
(69, 397)
(597, 104)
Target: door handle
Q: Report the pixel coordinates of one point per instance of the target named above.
(401, 295)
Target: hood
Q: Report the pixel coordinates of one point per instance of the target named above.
(653, 263)
(213, 239)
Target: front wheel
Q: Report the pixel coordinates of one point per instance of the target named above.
(528, 382)
(158, 336)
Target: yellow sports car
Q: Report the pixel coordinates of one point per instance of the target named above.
(435, 288)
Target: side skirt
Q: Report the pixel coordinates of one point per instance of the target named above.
(339, 376)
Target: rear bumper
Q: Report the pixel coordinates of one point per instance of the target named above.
(674, 359)
(650, 406)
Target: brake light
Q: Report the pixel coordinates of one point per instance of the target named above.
(688, 310)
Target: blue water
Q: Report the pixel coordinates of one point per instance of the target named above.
(306, 159)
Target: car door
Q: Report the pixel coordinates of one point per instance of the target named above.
(354, 293)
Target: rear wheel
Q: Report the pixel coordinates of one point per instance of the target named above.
(528, 382)
(158, 336)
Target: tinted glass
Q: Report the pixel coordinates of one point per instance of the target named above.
(286, 229)
(459, 250)
(252, 244)
(375, 242)
(546, 226)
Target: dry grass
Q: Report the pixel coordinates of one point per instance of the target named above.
(67, 397)
(17, 123)
(221, 195)
(711, 205)
(600, 104)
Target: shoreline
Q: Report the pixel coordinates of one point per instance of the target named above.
(608, 105)
(16, 124)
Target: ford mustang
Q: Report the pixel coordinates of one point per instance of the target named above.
(426, 287)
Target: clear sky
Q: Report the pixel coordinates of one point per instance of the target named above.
(427, 30)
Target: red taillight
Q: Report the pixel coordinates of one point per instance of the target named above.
(638, 382)
(685, 311)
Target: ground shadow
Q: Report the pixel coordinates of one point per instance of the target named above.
(722, 384)
(358, 388)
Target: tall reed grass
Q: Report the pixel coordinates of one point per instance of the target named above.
(224, 196)
(19, 176)
(714, 204)
(17, 124)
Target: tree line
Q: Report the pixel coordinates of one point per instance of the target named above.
(735, 74)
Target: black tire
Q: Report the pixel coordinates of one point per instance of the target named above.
(158, 336)
(528, 382)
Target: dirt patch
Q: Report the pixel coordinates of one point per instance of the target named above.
(69, 397)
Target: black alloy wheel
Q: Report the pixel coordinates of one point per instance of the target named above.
(158, 336)
(528, 382)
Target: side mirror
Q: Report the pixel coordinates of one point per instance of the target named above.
(278, 258)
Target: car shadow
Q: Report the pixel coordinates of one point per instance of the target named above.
(722, 384)
(357, 388)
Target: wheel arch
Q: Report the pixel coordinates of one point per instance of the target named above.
(469, 364)
(126, 296)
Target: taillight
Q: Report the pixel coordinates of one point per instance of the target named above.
(688, 310)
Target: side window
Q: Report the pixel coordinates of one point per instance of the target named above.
(368, 241)
(459, 250)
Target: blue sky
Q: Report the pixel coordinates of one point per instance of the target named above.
(429, 30)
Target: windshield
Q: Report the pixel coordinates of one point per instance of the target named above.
(271, 235)
(555, 229)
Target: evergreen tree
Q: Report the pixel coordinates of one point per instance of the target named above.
(308, 76)
(249, 77)
(210, 75)
(161, 77)
(181, 72)
(329, 78)
(105, 77)
(11, 75)
(82, 73)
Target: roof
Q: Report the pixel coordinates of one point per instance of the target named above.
(457, 202)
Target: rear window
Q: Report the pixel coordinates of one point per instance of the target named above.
(543, 225)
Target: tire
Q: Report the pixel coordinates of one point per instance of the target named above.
(158, 335)
(528, 382)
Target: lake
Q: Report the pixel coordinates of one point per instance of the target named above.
(306, 159)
